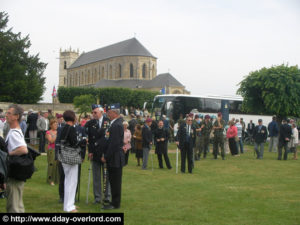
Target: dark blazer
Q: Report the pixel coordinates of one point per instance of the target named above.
(96, 137)
(114, 154)
(57, 140)
(260, 136)
(147, 136)
(181, 136)
(285, 131)
(31, 120)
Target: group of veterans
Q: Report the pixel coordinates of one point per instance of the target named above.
(110, 139)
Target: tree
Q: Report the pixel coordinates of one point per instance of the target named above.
(83, 103)
(274, 90)
(21, 74)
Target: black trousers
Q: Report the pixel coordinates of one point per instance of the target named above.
(61, 187)
(232, 146)
(187, 152)
(115, 180)
(127, 157)
(42, 141)
(160, 160)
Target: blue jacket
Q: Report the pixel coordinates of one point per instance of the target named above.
(273, 129)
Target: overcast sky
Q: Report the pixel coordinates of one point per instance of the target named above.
(209, 46)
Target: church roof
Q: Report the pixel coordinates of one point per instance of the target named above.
(160, 81)
(131, 47)
(164, 80)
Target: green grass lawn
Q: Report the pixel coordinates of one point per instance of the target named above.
(240, 190)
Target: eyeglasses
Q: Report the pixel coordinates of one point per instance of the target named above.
(189, 120)
(94, 112)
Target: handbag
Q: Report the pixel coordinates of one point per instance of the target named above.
(67, 154)
(236, 138)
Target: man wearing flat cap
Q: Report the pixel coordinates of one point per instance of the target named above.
(95, 130)
(114, 155)
(218, 128)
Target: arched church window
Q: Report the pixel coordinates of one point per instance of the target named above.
(120, 70)
(131, 70)
(144, 71)
(65, 64)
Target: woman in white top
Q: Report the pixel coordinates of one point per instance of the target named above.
(295, 140)
(16, 146)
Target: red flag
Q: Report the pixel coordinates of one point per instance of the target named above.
(54, 92)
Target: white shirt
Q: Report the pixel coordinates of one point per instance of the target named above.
(15, 139)
(100, 122)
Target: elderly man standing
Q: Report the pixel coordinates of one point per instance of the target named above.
(16, 146)
(42, 126)
(260, 135)
(95, 130)
(185, 140)
(114, 155)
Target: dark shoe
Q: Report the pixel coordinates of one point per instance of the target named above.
(106, 201)
(97, 202)
(170, 168)
(108, 207)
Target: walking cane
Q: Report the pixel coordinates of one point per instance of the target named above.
(176, 160)
(78, 183)
(104, 180)
(88, 187)
(151, 160)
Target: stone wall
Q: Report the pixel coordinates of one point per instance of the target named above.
(56, 107)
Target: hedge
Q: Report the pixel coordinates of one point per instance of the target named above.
(124, 96)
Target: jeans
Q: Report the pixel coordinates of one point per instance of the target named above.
(145, 157)
(240, 145)
(260, 152)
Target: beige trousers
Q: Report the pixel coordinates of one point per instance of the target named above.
(14, 192)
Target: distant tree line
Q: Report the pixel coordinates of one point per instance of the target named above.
(124, 96)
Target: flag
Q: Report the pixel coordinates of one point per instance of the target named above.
(54, 92)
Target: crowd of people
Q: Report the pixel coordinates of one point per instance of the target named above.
(112, 133)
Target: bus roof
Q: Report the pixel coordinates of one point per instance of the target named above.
(235, 98)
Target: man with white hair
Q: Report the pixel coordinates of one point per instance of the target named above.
(96, 129)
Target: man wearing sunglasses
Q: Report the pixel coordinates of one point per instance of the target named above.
(96, 129)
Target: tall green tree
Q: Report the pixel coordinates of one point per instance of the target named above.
(274, 90)
(83, 103)
(21, 74)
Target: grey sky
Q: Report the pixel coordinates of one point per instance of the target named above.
(209, 46)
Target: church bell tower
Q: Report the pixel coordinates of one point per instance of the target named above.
(66, 58)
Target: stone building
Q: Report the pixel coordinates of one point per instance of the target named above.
(124, 64)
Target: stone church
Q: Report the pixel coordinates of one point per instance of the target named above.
(125, 64)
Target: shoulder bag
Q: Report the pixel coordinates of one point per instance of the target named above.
(67, 154)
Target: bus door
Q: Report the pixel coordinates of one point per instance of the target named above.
(225, 110)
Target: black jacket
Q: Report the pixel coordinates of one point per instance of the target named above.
(114, 154)
(31, 120)
(161, 146)
(96, 137)
(147, 136)
(285, 131)
(261, 135)
(181, 136)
